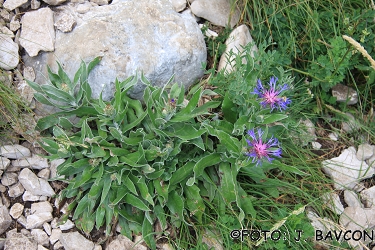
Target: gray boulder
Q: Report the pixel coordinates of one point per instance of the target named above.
(131, 36)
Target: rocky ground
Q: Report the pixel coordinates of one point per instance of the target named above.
(29, 211)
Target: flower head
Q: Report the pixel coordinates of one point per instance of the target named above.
(272, 96)
(259, 149)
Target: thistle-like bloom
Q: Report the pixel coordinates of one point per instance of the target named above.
(259, 149)
(272, 96)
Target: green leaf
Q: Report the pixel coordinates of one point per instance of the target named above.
(227, 108)
(228, 183)
(54, 78)
(273, 118)
(206, 161)
(160, 215)
(230, 142)
(47, 122)
(108, 182)
(120, 194)
(147, 233)
(93, 63)
(194, 202)
(130, 185)
(136, 202)
(143, 189)
(161, 188)
(65, 78)
(182, 173)
(99, 216)
(82, 205)
(176, 204)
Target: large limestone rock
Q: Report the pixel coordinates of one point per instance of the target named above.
(219, 12)
(9, 58)
(131, 36)
(37, 31)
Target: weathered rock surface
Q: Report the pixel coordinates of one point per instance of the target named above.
(9, 57)
(75, 241)
(33, 184)
(38, 32)
(14, 151)
(19, 241)
(344, 93)
(346, 170)
(5, 219)
(122, 242)
(351, 198)
(368, 196)
(218, 12)
(364, 152)
(35, 162)
(161, 44)
(12, 4)
(235, 44)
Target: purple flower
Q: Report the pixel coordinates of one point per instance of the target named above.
(259, 150)
(271, 96)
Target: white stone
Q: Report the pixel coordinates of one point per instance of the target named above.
(41, 207)
(351, 125)
(28, 196)
(9, 57)
(208, 32)
(19, 241)
(40, 247)
(65, 22)
(346, 170)
(333, 136)
(16, 210)
(12, 4)
(54, 2)
(356, 218)
(35, 162)
(47, 228)
(351, 198)
(235, 44)
(58, 245)
(5, 200)
(332, 200)
(14, 24)
(316, 145)
(44, 173)
(33, 184)
(83, 8)
(14, 151)
(22, 221)
(16, 190)
(35, 4)
(365, 151)
(40, 237)
(5, 219)
(7, 32)
(54, 165)
(38, 32)
(345, 94)
(100, 2)
(4, 163)
(37, 220)
(67, 225)
(28, 73)
(55, 235)
(368, 196)
(9, 179)
(178, 5)
(371, 161)
(161, 44)
(2, 188)
(217, 12)
(122, 242)
(75, 240)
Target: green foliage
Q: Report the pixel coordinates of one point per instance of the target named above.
(161, 161)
